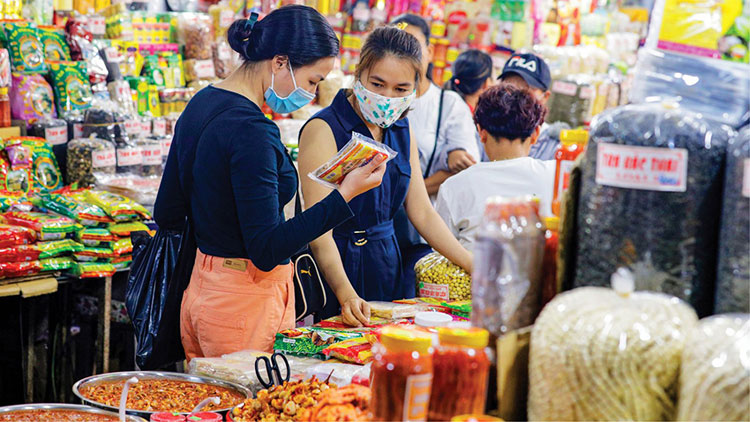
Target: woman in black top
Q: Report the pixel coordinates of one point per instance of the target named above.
(229, 173)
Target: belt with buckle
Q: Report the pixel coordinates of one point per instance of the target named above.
(361, 237)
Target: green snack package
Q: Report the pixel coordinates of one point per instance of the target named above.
(55, 46)
(48, 227)
(92, 254)
(116, 206)
(38, 158)
(56, 264)
(94, 236)
(123, 246)
(26, 50)
(125, 229)
(71, 83)
(92, 270)
(460, 308)
(308, 341)
(9, 199)
(86, 214)
(122, 262)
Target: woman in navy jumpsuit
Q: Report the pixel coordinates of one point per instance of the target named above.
(368, 264)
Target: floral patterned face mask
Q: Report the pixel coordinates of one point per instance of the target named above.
(380, 110)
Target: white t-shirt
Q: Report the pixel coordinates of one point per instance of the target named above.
(462, 198)
(457, 129)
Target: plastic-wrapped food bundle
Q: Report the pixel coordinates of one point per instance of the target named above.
(571, 100)
(55, 46)
(72, 89)
(55, 131)
(715, 372)
(717, 89)
(224, 59)
(196, 33)
(35, 156)
(129, 157)
(151, 154)
(440, 278)
(597, 355)
(649, 201)
(508, 253)
(88, 156)
(733, 278)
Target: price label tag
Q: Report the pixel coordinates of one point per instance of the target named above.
(97, 25)
(204, 69)
(145, 127)
(133, 127)
(104, 158)
(160, 127)
(129, 157)
(77, 130)
(224, 52)
(565, 88)
(152, 155)
(646, 168)
(166, 145)
(226, 17)
(437, 291)
(56, 135)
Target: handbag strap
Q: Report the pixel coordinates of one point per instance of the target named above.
(437, 134)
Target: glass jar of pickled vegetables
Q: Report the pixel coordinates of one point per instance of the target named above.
(401, 375)
(461, 371)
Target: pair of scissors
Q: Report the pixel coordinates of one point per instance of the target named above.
(273, 370)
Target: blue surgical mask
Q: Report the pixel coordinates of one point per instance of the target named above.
(292, 102)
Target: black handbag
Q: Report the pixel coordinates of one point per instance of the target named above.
(309, 285)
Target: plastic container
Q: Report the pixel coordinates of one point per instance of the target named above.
(166, 417)
(432, 319)
(152, 157)
(461, 372)
(437, 277)
(572, 144)
(441, 50)
(401, 375)
(205, 417)
(4, 107)
(549, 262)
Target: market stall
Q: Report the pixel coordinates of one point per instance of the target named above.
(631, 302)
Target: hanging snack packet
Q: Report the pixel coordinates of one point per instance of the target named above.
(35, 154)
(37, 251)
(356, 350)
(15, 235)
(55, 46)
(86, 214)
(92, 270)
(26, 51)
(123, 246)
(72, 89)
(359, 151)
(19, 269)
(95, 237)
(31, 98)
(48, 227)
(116, 206)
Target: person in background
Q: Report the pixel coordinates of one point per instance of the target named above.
(446, 138)
(472, 75)
(229, 176)
(361, 259)
(509, 121)
(531, 72)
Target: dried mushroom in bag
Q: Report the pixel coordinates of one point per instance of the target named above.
(715, 372)
(89, 156)
(733, 277)
(651, 179)
(598, 355)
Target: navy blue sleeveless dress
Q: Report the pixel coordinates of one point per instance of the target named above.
(367, 242)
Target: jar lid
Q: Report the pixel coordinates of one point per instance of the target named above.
(552, 223)
(432, 319)
(4, 90)
(574, 136)
(399, 339)
(470, 337)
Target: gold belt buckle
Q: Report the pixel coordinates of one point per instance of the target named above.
(362, 241)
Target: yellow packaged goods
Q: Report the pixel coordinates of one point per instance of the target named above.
(439, 278)
(715, 371)
(359, 151)
(599, 355)
(116, 206)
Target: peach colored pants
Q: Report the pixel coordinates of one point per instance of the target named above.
(231, 305)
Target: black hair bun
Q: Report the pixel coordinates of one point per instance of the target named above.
(238, 36)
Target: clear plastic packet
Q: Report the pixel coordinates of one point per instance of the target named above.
(393, 311)
(508, 253)
(732, 286)
(646, 165)
(199, 70)
(88, 158)
(715, 372)
(196, 33)
(439, 278)
(224, 59)
(31, 97)
(341, 374)
(359, 151)
(5, 73)
(151, 163)
(142, 190)
(601, 355)
(47, 226)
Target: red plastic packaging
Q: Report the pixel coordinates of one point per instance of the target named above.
(15, 235)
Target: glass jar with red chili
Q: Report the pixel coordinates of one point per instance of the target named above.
(401, 375)
(461, 371)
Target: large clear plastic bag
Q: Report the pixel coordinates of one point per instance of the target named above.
(649, 201)
(597, 355)
(717, 89)
(195, 31)
(715, 372)
(571, 100)
(508, 252)
(733, 277)
(439, 278)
